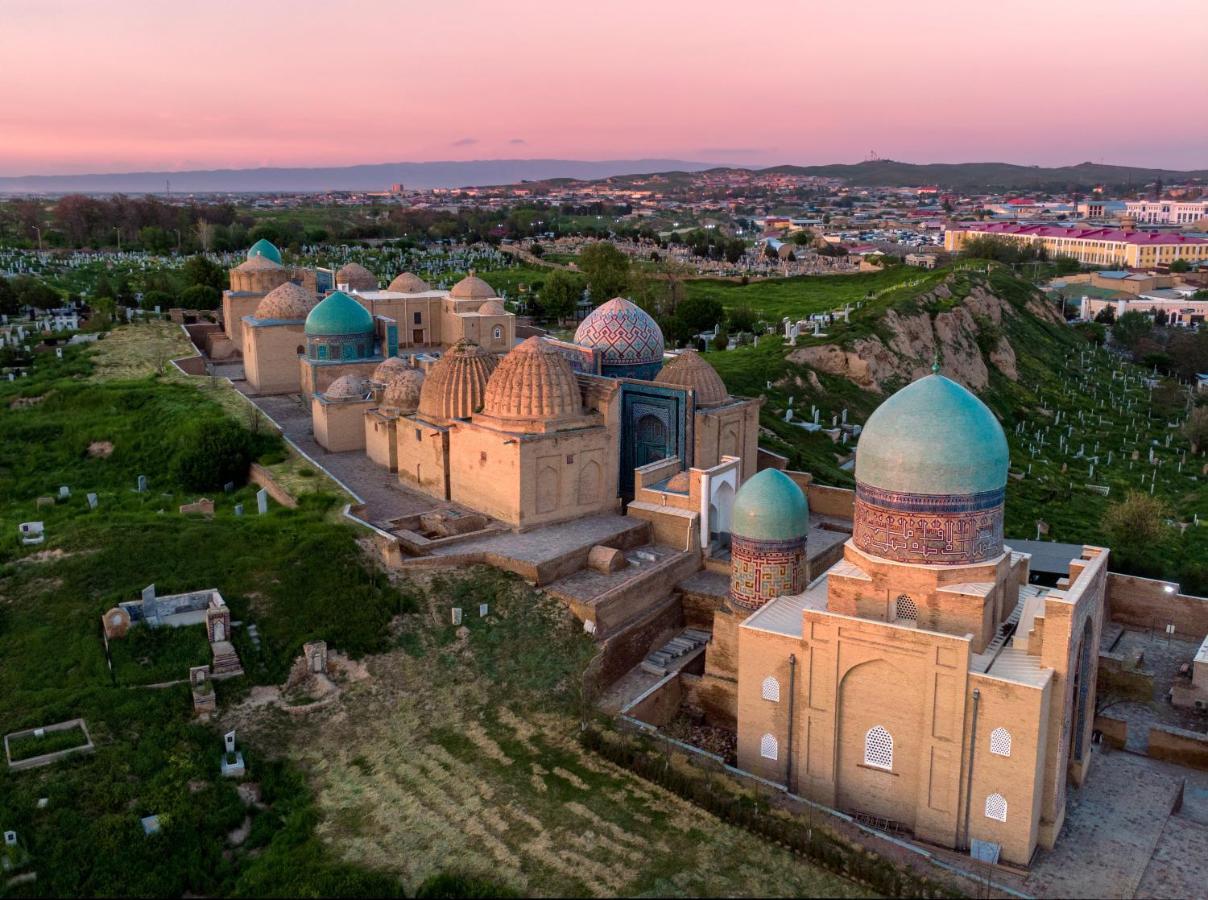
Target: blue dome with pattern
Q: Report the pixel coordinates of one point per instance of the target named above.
(933, 437)
(629, 340)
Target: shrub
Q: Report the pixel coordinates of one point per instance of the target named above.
(200, 296)
(211, 453)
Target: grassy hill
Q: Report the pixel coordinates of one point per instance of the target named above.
(1000, 336)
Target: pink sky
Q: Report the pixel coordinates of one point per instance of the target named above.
(135, 84)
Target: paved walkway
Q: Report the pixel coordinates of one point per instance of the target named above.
(546, 544)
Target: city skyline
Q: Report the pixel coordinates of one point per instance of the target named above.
(277, 84)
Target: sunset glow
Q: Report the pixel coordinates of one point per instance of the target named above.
(91, 87)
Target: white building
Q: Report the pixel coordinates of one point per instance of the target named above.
(1166, 212)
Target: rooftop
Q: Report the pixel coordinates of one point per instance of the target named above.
(1117, 235)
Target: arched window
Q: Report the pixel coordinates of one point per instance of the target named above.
(878, 748)
(996, 807)
(771, 689)
(1000, 742)
(498, 333)
(904, 608)
(768, 747)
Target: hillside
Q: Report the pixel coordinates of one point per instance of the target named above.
(1000, 337)
(992, 175)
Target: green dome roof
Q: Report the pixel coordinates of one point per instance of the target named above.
(266, 249)
(339, 314)
(933, 437)
(770, 507)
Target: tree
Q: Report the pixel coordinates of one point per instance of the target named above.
(607, 270)
(1195, 429)
(1180, 265)
(721, 341)
(1130, 328)
(1188, 352)
(199, 270)
(1106, 316)
(742, 318)
(211, 453)
(1137, 523)
(200, 296)
(33, 292)
(9, 305)
(700, 313)
(560, 294)
(152, 299)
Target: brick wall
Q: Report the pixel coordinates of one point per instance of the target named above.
(1146, 603)
(1187, 748)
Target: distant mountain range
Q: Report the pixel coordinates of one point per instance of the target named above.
(477, 173)
(375, 177)
(990, 176)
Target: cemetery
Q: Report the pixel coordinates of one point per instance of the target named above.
(47, 744)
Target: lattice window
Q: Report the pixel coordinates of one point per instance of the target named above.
(996, 807)
(878, 748)
(768, 747)
(904, 608)
(1000, 742)
(771, 689)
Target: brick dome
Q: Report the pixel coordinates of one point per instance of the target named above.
(287, 301)
(347, 387)
(472, 288)
(493, 307)
(454, 388)
(357, 277)
(689, 370)
(390, 367)
(403, 390)
(535, 383)
(407, 283)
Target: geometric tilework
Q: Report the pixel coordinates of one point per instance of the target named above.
(928, 528)
(624, 333)
(764, 570)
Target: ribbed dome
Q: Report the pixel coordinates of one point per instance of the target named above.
(493, 307)
(455, 386)
(403, 390)
(347, 387)
(390, 367)
(933, 437)
(472, 288)
(770, 507)
(258, 263)
(689, 370)
(533, 382)
(287, 301)
(408, 283)
(357, 277)
(624, 333)
(266, 249)
(339, 314)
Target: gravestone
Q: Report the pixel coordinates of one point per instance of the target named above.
(64, 491)
(32, 532)
(457, 615)
(142, 484)
(92, 501)
(229, 486)
(262, 501)
(482, 610)
(238, 509)
(149, 594)
(10, 839)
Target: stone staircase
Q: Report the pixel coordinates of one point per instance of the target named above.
(664, 660)
(1005, 631)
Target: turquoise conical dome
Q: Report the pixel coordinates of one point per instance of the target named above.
(933, 437)
(339, 314)
(770, 507)
(266, 249)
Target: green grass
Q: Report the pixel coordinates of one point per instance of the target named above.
(156, 655)
(27, 746)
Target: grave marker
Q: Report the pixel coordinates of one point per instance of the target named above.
(262, 501)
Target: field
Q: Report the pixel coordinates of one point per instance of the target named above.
(457, 756)
(463, 747)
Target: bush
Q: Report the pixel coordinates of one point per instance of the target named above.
(200, 296)
(153, 299)
(721, 341)
(213, 452)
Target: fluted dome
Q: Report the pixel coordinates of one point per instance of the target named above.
(287, 301)
(407, 283)
(265, 249)
(770, 507)
(533, 382)
(339, 314)
(357, 277)
(629, 340)
(493, 307)
(347, 387)
(472, 288)
(455, 386)
(403, 390)
(933, 437)
(258, 263)
(689, 370)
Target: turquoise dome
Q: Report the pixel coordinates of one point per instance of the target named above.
(933, 437)
(266, 249)
(339, 314)
(770, 507)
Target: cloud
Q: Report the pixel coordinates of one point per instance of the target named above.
(464, 142)
(517, 141)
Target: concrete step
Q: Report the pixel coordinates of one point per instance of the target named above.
(648, 666)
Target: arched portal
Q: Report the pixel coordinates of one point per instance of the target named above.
(720, 506)
(651, 440)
